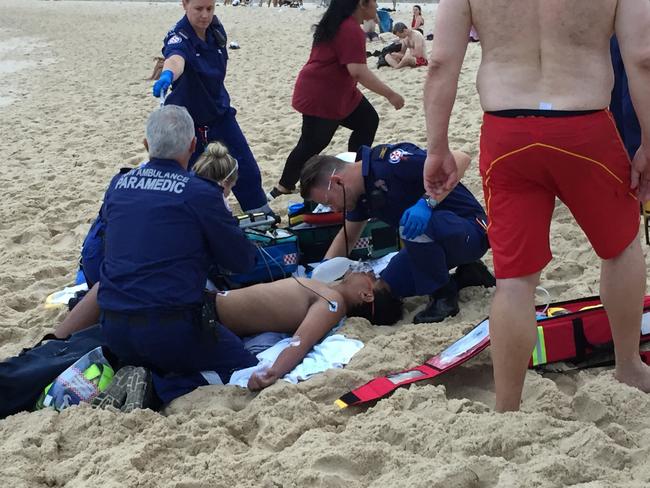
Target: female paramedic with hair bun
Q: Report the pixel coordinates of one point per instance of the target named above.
(326, 92)
(196, 57)
(215, 164)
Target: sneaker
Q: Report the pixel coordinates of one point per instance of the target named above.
(275, 193)
(474, 274)
(139, 390)
(115, 394)
(131, 388)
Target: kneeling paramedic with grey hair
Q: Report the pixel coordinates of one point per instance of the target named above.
(164, 228)
(386, 183)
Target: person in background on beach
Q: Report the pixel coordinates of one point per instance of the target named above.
(196, 56)
(386, 183)
(417, 21)
(370, 28)
(547, 133)
(326, 92)
(413, 53)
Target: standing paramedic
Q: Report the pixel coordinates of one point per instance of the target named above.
(196, 56)
(386, 183)
(165, 227)
(326, 92)
(544, 83)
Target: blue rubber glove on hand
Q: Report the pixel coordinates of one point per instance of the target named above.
(415, 219)
(163, 83)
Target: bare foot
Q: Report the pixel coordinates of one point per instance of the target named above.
(636, 374)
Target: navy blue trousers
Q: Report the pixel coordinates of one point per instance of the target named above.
(422, 265)
(226, 130)
(175, 350)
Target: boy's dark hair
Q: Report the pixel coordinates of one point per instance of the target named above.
(399, 27)
(316, 172)
(387, 309)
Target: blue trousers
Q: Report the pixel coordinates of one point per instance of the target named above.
(248, 189)
(422, 265)
(621, 104)
(23, 377)
(175, 350)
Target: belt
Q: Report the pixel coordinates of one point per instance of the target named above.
(145, 318)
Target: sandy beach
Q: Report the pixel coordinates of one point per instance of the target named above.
(73, 103)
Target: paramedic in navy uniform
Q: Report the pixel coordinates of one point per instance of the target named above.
(165, 226)
(386, 183)
(196, 56)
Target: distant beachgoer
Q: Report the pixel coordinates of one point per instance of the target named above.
(417, 21)
(413, 53)
(326, 92)
(370, 28)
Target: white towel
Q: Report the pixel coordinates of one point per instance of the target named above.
(334, 351)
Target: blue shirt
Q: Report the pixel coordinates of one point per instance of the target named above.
(164, 228)
(200, 88)
(394, 182)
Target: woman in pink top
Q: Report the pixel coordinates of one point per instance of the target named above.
(326, 92)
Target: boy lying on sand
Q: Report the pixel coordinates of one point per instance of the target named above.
(307, 308)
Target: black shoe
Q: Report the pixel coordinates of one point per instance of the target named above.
(443, 304)
(474, 274)
(437, 311)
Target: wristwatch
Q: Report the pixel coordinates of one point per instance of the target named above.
(431, 202)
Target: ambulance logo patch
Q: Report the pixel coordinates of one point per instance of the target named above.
(174, 40)
(396, 156)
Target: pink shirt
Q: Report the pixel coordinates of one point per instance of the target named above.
(324, 87)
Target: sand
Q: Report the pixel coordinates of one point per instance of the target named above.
(73, 101)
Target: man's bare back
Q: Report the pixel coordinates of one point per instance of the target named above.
(279, 307)
(544, 54)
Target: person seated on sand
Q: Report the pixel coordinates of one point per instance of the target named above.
(413, 53)
(370, 28)
(417, 21)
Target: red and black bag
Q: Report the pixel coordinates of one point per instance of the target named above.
(574, 331)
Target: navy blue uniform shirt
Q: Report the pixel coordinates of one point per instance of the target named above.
(393, 177)
(200, 89)
(164, 228)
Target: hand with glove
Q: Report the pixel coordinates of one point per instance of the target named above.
(415, 219)
(163, 83)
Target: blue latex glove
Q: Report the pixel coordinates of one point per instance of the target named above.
(163, 83)
(415, 219)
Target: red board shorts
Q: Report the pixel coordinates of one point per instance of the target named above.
(421, 62)
(526, 162)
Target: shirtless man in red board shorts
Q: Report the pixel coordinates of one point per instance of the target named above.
(544, 82)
